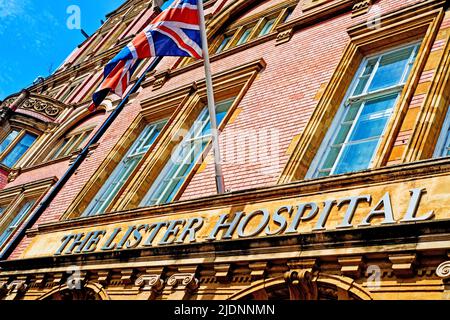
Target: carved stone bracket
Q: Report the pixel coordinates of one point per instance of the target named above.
(443, 270)
(301, 285)
(284, 36)
(150, 282)
(13, 174)
(222, 272)
(15, 288)
(351, 266)
(187, 280)
(361, 7)
(103, 276)
(40, 279)
(307, 264)
(126, 275)
(57, 278)
(3, 286)
(403, 265)
(258, 270)
(160, 79)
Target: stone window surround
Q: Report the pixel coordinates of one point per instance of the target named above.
(419, 21)
(15, 197)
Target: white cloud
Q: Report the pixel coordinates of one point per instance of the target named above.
(12, 8)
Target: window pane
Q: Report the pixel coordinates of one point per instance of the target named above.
(373, 118)
(267, 27)
(223, 44)
(356, 157)
(124, 169)
(19, 149)
(16, 221)
(184, 157)
(7, 141)
(245, 36)
(288, 14)
(331, 158)
(391, 69)
(59, 149)
(365, 76)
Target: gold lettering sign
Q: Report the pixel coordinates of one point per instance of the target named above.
(379, 204)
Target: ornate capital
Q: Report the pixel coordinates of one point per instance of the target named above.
(443, 270)
(187, 280)
(152, 282)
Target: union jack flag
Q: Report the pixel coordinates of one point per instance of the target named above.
(174, 32)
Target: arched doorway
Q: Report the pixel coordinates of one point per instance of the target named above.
(304, 286)
(89, 292)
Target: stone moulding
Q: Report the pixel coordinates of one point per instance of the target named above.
(443, 270)
(48, 107)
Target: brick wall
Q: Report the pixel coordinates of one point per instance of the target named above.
(280, 100)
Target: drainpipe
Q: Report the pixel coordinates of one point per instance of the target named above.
(32, 219)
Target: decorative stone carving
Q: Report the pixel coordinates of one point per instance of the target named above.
(103, 276)
(3, 285)
(126, 275)
(42, 107)
(13, 175)
(15, 288)
(284, 36)
(8, 102)
(160, 79)
(301, 285)
(39, 280)
(361, 7)
(57, 278)
(443, 270)
(152, 282)
(187, 280)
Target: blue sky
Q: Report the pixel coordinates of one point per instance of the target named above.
(35, 39)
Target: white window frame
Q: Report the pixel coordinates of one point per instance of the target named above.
(444, 138)
(333, 131)
(136, 151)
(194, 138)
(16, 221)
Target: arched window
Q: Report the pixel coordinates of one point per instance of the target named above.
(75, 139)
(251, 27)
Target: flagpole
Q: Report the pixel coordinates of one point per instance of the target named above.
(220, 183)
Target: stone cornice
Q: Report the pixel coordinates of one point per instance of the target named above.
(400, 239)
(30, 185)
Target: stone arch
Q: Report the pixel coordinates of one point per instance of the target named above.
(228, 11)
(76, 119)
(293, 286)
(90, 291)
